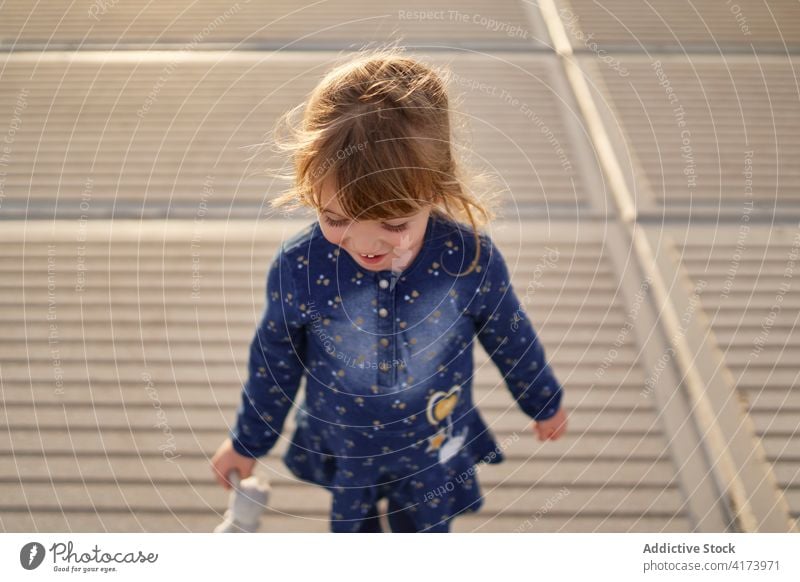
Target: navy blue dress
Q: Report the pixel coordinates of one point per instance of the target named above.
(388, 408)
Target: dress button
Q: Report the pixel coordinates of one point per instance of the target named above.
(383, 284)
(384, 341)
(383, 312)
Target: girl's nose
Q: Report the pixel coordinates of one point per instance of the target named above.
(367, 245)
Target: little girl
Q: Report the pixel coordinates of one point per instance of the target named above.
(377, 304)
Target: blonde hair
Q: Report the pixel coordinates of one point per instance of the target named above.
(379, 128)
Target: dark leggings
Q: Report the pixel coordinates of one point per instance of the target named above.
(400, 521)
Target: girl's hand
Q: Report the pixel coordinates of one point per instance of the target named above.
(553, 427)
(226, 459)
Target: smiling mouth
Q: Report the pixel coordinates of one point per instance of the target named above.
(371, 256)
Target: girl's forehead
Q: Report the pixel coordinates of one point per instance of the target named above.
(331, 205)
(327, 198)
(329, 202)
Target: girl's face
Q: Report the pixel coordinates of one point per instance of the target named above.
(392, 243)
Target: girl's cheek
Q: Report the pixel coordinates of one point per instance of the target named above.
(332, 235)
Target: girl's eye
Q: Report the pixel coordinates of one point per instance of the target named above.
(339, 223)
(335, 223)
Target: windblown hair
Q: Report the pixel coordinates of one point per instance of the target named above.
(377, 128)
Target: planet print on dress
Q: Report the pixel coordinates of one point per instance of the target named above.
(440, 407)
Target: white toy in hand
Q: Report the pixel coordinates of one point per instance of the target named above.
(248, 500)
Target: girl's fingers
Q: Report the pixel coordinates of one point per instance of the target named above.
(220, 480)
(220, 475)
(554, 433)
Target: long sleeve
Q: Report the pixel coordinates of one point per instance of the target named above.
(507, 335)
(275, 366)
